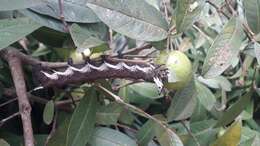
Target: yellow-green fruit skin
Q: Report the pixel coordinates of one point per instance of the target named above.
(178, 63)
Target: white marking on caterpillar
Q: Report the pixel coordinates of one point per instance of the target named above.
(84, 69)
(51, 76)
(67, 72)
(126, 66)
(144, 69)
(112, 66)
(152, 66)
(120, 65)
(103, 67)
(131, 68)
(93, 67)
(158, 82)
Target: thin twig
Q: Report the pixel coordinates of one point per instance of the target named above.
(65, 102)
(11, 93)
(190, 133)
(230, 8)
(248, 31)
(7, 102)
(133, 108)
(32, 61)
(127, 127)
(126, 84)
(3, 121)
(134, 50)
(165, 10)
(53, 129)
(218, 9)
(62, 17)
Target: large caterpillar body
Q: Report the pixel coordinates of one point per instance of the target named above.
(94, 70)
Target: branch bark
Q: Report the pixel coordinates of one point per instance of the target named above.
(23, 102)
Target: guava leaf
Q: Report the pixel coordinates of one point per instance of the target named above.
(7, 5)
(133, 18)
(205, 96)
(187, 11)
(183, 103)
(230, 114)
(231, 137)
(110, 137)
(11, 30)
(167, 137)
(224, 49)
(82, 122)
(48, 112)
(88, 35)
(252, 12)
(73, 11)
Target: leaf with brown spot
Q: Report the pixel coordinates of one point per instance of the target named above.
(224, 49)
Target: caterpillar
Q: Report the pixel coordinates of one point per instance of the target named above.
(105, 69)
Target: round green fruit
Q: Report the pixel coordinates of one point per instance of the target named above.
(77, 56)
(179, 66)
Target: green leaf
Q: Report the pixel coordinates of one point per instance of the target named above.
(203, 133)
(126, 117)
(146, 133)
(154, 3)
(197, 127)
(73, 11)
(187, 11)
(60, 136)
(247, 134)
(40, 139)
(183, 103)
(200, 113)
(109, 137)
(133, 18)
(218, 82)
(167, 137)
(6, 5)
(44, 20)
(205, 96)
(48, 112)
(82, 121)
(249, 111)
(3, 143)
(254, 141)
(88, 35)
(142, 93)
(108, 114)
(252, 12)
(231, 137)
(230, 114)
(257, 52)
(11, 30)
(224, 49)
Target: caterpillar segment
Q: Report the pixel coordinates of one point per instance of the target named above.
(105, 69)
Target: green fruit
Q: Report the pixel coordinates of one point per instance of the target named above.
(77, 56)
(179, 66)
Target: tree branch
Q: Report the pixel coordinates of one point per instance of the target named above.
(23, 102)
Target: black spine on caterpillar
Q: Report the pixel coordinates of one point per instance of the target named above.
(94, 70)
